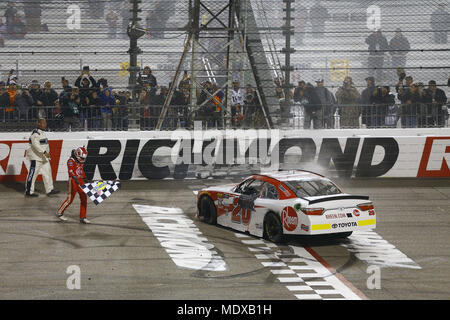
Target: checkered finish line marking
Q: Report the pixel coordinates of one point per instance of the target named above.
(98, 191)
(303, 272)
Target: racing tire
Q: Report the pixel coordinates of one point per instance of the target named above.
(273, 229)
(208, 210)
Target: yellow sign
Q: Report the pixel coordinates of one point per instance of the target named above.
(339, 69)
(124, 66)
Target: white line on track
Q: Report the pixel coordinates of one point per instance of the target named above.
(301, 272)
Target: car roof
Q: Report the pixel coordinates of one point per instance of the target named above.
(292, 175)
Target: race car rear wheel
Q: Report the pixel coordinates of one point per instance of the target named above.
(208, 210)
(273, 229)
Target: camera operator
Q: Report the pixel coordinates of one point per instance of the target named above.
(147, 78)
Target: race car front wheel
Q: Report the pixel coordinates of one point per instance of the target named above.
(208, 210)
(273, 229)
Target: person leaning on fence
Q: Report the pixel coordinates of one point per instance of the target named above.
(382, 101)
(438, 103)
(107, 101)
(39, 155)
(24, 102)
(306, 97)
(408, 110)
(70, 103)
(347, 97)
(328, 104)
(4, 101)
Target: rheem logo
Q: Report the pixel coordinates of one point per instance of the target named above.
(435, 160)
(289, 218)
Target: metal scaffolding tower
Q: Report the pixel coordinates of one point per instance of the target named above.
(234, 21)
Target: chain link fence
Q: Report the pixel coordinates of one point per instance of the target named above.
(352, 58)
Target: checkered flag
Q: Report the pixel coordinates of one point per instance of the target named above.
(98, 191)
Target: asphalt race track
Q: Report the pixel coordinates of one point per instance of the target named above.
(124, 255)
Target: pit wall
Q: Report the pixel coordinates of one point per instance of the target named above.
(138, 155)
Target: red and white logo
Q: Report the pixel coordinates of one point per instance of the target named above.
(435, 160)
(289, 218)
(356, 213)
(13, 162)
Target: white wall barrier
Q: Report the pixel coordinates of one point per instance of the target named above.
(202, 154)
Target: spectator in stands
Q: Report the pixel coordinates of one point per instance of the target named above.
(70, 103)
(11, 113)
(327, 104)
(440, 23)
(107, 101)
(94, 110)
(147, 78)
(85, 83)
(10, 14)
(112, 20)
(18, 29)
(378, 44)
(347, 97)
(399, 47)
(318, 15)
(36, 91)
(408, 110)
(301, 17)
(33, 11)
(205, 107)
(66, 89)
(438, 103)
(365, 101)
(123, 98)
(253, 115)
(237, 103)
(4, 101)
(421, 102)
(24, 102)
(305, 95)
(382, 101)
(181, 98)
(48, 97)
(278, 89)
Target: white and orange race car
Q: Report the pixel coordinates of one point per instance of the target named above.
(286, 203)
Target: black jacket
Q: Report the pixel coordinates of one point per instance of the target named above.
(377, 43)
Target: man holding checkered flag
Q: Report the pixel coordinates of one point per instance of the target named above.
(76, 181)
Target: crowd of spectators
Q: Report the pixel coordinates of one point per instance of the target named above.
(90, 104)
(411, 105)
(87, 104)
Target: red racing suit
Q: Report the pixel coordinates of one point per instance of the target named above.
(76, 176)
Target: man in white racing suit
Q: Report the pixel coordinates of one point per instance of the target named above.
(39, 155)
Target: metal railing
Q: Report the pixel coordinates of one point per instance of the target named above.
(145, 117)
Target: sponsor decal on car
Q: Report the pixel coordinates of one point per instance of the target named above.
(356, 213)
(304, 227)
(337, 216)
(344, 225)
(289, 218)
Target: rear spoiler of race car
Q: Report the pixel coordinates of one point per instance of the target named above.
(341, 197)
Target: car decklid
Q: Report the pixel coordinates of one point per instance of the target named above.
(312, 200)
